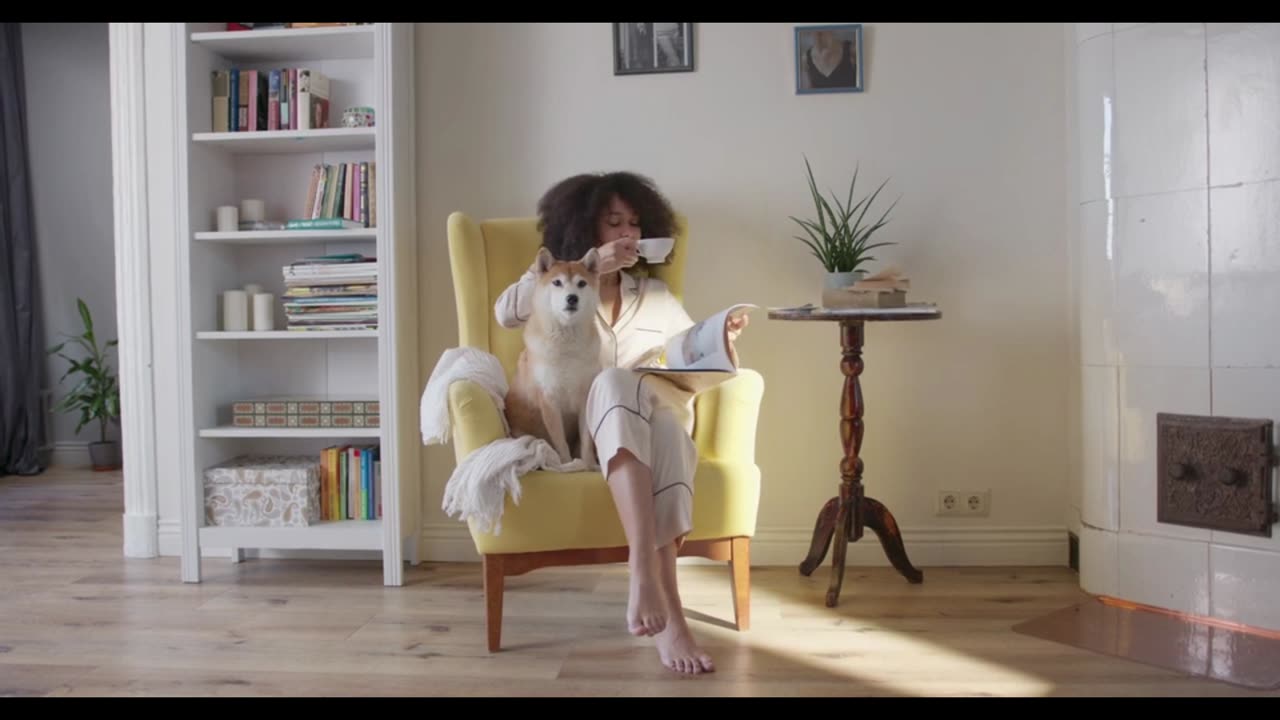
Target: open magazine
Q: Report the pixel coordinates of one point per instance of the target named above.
(701, 357)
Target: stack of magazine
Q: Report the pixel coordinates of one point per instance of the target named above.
(332, 292)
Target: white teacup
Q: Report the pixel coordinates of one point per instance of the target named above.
(655, 250)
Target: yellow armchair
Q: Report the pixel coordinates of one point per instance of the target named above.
(569, 518)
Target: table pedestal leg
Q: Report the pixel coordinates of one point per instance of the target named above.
(878, 518)
(842, 518)
(822, 532)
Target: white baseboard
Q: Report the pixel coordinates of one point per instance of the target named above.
(140, 536)
(169, 538)
(67, 453)
(926, 547)
(447, 542)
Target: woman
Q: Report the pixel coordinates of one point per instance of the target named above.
(642, 424)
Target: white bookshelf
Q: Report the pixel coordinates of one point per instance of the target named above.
(331, 535)
(286, 334)
(283, 433)
(285, 237)
(289, 44)
(368, 65)
(289, 141)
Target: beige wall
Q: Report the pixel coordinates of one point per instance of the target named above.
(968, 123)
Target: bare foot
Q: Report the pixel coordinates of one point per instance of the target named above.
(646, 611)
(679, 651)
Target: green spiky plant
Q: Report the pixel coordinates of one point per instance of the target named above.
(97, 394)
(839, 241)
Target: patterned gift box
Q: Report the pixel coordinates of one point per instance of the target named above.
(305, 413)
(263, 491)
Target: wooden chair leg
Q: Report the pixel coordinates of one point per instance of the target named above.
(493, 582)
(740, 569)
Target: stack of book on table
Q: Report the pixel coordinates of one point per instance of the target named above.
(885, 289)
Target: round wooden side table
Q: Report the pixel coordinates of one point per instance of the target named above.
(850, 511)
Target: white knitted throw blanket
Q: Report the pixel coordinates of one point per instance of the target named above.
(478, 486)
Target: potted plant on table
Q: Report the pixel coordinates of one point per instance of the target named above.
(839, 241)
(96, 396)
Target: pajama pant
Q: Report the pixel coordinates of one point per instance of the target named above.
(653, 419)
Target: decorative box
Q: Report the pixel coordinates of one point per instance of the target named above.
(305, 412)
(263, 491)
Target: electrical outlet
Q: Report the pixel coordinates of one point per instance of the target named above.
(964, 502)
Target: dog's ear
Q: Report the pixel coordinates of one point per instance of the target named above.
(591, 261)
(545, 260)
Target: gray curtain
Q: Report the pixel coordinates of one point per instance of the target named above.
(21, 337)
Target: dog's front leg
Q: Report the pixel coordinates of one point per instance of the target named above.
(555, 428)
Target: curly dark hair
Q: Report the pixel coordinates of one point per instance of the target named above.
(569, 212)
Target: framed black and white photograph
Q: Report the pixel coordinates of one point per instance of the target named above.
(828, 59)
(640, 48)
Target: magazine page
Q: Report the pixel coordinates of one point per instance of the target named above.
(705, 346)
(702, 357)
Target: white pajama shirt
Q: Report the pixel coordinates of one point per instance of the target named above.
(643, 413)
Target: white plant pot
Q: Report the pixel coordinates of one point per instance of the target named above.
(839, 280)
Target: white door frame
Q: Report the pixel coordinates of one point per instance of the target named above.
(133, 288)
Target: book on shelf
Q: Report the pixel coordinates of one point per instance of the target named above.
(252, 100)
(332, 292)
(340, 191)
(351, 482)
(322, 224)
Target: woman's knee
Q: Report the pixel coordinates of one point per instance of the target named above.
(613, 386)
(621, 460)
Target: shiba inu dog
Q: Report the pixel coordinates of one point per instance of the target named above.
(561, 357)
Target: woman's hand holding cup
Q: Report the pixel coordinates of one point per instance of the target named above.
(618, 254)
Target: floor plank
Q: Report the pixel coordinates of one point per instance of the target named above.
(78, 619)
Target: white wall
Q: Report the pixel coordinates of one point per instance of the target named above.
(967, 122)
(69, 133)
(1179, 293)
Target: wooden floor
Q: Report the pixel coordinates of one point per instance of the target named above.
(77, 618)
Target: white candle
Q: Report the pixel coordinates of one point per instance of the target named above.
(235, 311)
(250, 290)
(228, 218)
(252, 210)
(264, 311)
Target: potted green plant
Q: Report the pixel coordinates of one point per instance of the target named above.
(96, 395)
(840, 241)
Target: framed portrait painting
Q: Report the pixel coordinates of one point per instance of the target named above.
(829, 59)
(641, 48)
